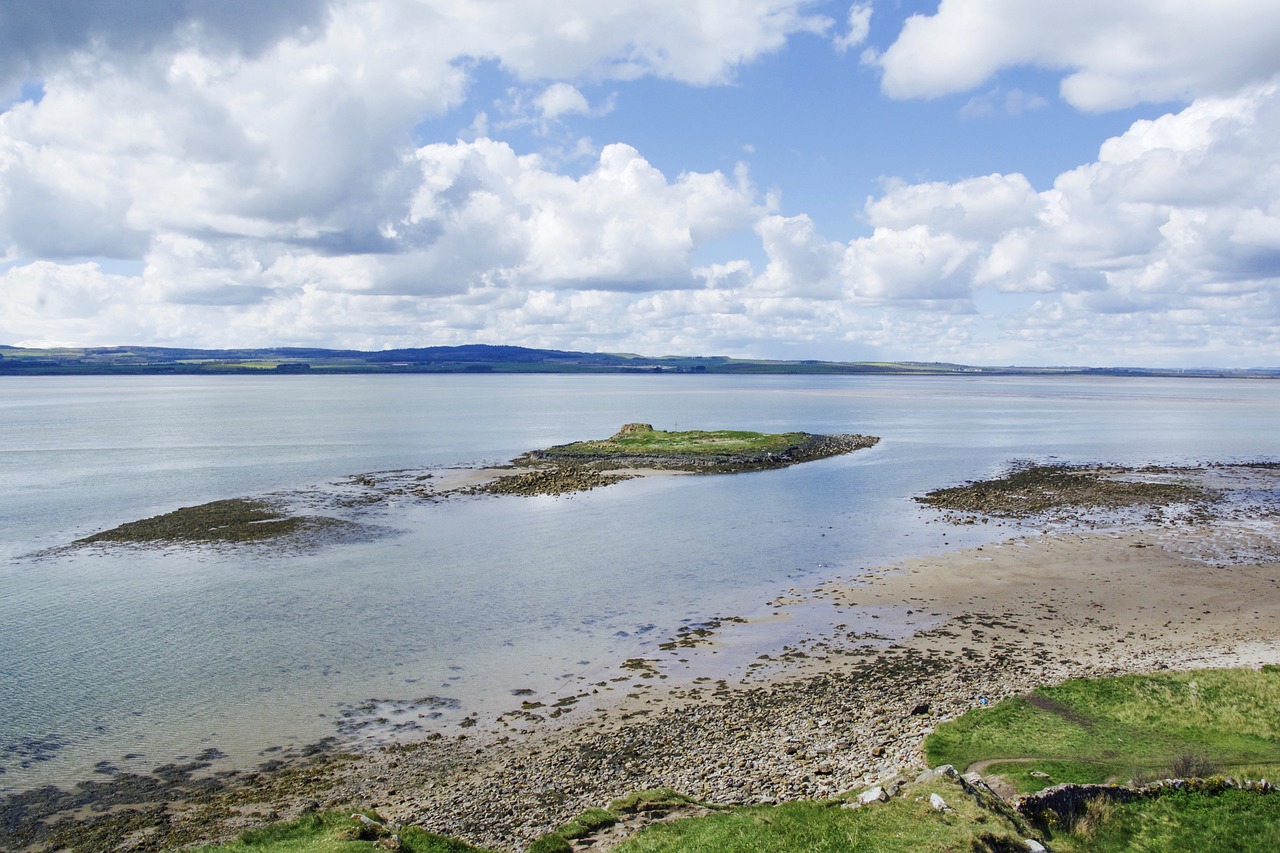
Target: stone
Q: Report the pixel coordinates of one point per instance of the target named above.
(946, 771)
(939, 804)
(874, 795)
(1035, 846)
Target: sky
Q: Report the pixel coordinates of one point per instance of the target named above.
(1035, 182)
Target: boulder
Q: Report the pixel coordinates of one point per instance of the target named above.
(874, 795)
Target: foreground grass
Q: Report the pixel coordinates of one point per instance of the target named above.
(903, 824)
(1137, 727)
(333, 832)
(1230, 821)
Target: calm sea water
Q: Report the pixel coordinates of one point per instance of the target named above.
(153, 654)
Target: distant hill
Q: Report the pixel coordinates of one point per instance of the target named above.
(483, 358)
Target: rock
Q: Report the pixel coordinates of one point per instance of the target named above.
(1039, 774)
(920, 710)
(370, 828)
(946, 771)
(939, 804)
(1035, 846)
(874, 795)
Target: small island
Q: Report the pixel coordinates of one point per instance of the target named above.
(635, 450)
(638, 448)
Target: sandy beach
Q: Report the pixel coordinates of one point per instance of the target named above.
(842, 706)
(849, 707)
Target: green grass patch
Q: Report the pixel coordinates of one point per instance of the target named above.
(1195, 822)
(653, 799)
(644, 440)
(333, 832)
(588, 822)
(1031, 776)
(903, 824)
(1115, 729)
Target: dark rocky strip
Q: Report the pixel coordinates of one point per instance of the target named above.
(1037, 489)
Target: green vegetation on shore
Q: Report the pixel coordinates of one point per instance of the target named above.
(905, 823)
(1091, 730)
(1136, 727)
(337, 832)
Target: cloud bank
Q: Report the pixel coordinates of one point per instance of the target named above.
(218, 175)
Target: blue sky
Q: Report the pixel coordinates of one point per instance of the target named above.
(980, 181)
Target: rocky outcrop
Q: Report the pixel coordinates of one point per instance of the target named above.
(806, 449)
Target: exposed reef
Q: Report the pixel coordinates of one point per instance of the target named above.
(639, 448)
(234, 520)
(566, 468)
(1036, 490)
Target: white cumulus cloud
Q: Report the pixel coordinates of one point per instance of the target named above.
(1115, 53)
(561, 98)
(859, 27)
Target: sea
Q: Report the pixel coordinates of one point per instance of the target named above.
(124, 657)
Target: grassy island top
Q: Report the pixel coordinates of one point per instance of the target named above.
(641, 445)
(643, 439)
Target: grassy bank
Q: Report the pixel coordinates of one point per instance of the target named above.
(1138, 727)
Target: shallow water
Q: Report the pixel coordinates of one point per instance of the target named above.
(115, 651)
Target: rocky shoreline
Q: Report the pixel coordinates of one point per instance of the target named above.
(841, 711)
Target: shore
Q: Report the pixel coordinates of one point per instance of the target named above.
(846, 710)
(845, 706)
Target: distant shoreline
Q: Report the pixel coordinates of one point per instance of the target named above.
(486, 359)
